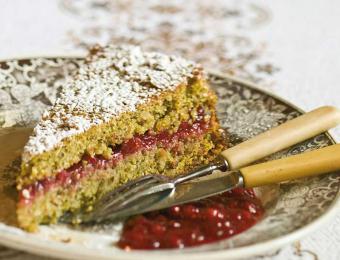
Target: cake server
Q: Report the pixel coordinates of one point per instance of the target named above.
(307, 164)
(276, 139)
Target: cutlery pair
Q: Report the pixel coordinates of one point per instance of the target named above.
(153, 192)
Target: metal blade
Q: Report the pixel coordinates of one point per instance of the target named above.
(186, 192)
(199, 189)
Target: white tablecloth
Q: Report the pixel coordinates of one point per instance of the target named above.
(291, 48)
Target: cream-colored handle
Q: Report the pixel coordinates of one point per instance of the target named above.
(282, 136)
(297, 166)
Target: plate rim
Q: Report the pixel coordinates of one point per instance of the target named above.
(56, 248)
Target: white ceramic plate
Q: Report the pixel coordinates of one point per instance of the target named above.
(294, 209)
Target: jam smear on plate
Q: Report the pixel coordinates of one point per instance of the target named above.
(205, 221)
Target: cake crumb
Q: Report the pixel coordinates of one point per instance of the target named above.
(113, 80)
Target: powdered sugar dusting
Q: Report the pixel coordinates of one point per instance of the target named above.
(114, 79)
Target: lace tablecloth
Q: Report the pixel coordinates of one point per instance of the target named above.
(292, 50)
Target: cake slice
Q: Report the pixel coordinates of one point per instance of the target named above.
(124, 114)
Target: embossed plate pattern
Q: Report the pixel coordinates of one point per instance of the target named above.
(28, 86)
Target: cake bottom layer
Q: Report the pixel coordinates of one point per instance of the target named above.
(48, 207)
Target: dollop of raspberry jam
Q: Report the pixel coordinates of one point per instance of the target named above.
(89, 164)
(205, 221)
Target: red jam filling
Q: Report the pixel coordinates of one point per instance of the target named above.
(89, 164)
(205, 221)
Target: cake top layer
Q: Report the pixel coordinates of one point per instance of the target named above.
(113, 80)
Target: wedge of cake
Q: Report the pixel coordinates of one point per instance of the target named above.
(124, 114)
